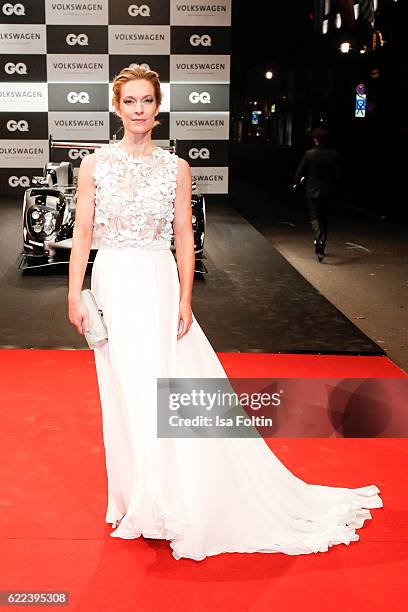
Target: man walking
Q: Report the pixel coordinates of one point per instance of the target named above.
(320, 167)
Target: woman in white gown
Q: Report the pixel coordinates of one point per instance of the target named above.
(205, 495)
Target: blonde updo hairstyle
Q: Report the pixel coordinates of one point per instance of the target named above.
(132, 73)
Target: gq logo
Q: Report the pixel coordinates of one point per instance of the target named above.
(204, 40)
(13, 9)
(12, 68)
(77, 39)
(82, 97)
(143, 10)
(195, 153)
(203, 97)
(19, 181)
(143, 65)
(77, 153)
(13, 125)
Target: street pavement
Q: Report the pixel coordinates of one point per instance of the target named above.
(365, 272)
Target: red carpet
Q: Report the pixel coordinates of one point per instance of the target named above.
(53, 496)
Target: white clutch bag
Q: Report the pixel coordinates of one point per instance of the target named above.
(98, 333)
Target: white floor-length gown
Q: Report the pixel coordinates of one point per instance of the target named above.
(205, 495)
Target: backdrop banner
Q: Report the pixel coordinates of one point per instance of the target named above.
(58, 60)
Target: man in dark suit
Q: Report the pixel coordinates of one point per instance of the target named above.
(320, 168)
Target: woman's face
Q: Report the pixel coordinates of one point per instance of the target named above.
(137, 107)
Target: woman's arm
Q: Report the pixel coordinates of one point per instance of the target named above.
(81, 241)
(184, 243)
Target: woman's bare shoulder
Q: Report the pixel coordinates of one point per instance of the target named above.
(183, 167)
(88, 164)
(88, 160)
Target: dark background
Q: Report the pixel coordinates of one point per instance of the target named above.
(314, 85)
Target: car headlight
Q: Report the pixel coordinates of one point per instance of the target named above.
(49, 227)
(43, 222)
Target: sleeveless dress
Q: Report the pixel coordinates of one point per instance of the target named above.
(205, 495)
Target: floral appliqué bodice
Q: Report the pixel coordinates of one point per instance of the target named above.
(134, 198)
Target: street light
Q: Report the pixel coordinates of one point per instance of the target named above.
(268, 76)
(345, 47)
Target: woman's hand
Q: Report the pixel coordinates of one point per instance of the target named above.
(185, 319)
(78, 315)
